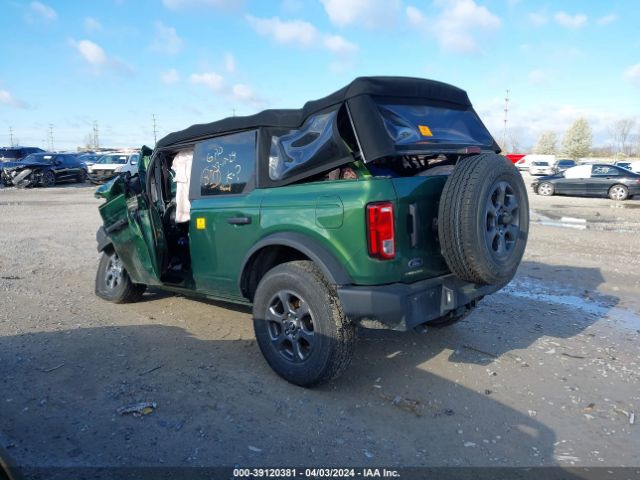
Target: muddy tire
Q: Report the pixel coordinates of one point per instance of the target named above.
(483, 219)
(545, 189)
(619, 193)
(48, 179)
(113, 283)
(300, 326)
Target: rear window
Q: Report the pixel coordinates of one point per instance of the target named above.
(412, 126)
(541, 164)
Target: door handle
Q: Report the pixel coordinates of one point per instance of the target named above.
(239, 220)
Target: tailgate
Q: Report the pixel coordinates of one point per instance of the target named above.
(418, 248)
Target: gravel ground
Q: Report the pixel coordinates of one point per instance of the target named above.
(544, 372)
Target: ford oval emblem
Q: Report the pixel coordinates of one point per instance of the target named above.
(415, 263)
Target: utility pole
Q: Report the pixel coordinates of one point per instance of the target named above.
(234, 112)
(11, 136)
(155, 130)
(506, 113)
(96, 139)
(51, 137)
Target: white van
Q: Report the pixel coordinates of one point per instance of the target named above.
(525, 162)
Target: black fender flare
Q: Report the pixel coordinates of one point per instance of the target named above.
(331, 268)
(103, 240)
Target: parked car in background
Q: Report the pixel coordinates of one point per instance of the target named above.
(44, 169)
(525, 162)
(631, 165)
(111, 164)
(89, 158)
(13, 154)
(562, 165)
(541, 168)
(591, 181)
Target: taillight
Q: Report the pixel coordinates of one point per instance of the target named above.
(382, 242)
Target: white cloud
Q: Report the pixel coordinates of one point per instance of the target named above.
(209, 79)
(182, 4)
(339, 45)
(170, 77)
(236, 92)
(632, 74)
(570, 21)
(370, 13)
(166, 39)
(458, 25)
(91, 52)
(9, 100)
(538, 18)
(92, 25)
(296, 32)
(40, 11)
(607, 19)
(414, 16)
(94, 55)
(229, 63)
(301, 34)
(539, 76)
(243, 92)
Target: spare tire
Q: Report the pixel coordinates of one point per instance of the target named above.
(483, 219)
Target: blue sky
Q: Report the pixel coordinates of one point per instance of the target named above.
(118, 62)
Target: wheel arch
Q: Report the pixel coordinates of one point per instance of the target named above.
(284, 247)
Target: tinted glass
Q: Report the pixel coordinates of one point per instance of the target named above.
(416, 125)
(541, 164)
(604, 171)
(115, 159)
(8, 155)
(224, 165)
(134, 159)
(39, 158)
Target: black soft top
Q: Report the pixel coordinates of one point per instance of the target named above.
(399, 87)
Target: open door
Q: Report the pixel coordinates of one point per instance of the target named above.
(133, 223)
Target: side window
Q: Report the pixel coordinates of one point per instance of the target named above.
(604, 171)
(133, 160)
(224, 165)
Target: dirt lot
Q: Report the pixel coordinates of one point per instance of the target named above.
(545, 372)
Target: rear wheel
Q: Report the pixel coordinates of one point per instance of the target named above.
(82, 176)
(618, 192)
(483, 219)
(300, 326)
(546, 189)
(113, 283)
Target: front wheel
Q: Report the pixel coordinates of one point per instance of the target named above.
(545, 189)
(82, 176)
(113, 283)
(300, 326)
(618, 192)
(48, 179)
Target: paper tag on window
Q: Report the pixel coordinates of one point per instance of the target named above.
(425, 131)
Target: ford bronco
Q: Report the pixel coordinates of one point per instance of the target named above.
(384, 204)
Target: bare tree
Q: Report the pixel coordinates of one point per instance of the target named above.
(547, 143)
(622, 137)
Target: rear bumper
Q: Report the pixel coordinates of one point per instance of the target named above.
(401, 306)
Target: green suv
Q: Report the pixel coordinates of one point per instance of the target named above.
(384, 204)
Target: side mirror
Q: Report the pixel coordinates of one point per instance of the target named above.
(57, 162)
